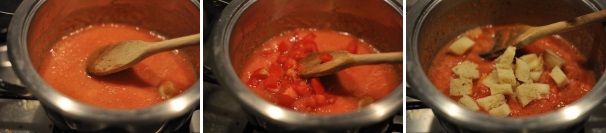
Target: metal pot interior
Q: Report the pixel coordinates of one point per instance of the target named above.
(435, 23)
(450, 18)
(246, 25)
(58, 18)
(266, 19)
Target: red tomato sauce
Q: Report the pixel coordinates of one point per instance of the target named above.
(272, 73)
(137, 87)
(581, 80)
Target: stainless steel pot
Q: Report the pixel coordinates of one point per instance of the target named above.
(246, 24)
(36, 25)
(431, 24)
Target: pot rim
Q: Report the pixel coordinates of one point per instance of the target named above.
(455, 113)
(58, 102)
(284, 117)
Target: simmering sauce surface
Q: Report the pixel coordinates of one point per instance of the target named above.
(137, 87)
(271, 72)
(581, 79)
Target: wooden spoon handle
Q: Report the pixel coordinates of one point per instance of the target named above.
(568, 25)
(176, 43)
(365, 59)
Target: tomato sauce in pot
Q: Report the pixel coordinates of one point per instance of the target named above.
(153, 80)
(581, 79)
(272, 73)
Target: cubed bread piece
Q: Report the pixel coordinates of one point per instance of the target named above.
(501, 111)
(506, 76)
(467, 69)
(461, 45)
(558, 76)
(536, 75)
(507, 56)
(505, 66)
(531, 91)
(492, 78)
(460, 86)
(469, 103)
(552, 59)
(522, 71)
(529, 57)
(504, 89)
(534, 62)
(474, 33)
(492, 101)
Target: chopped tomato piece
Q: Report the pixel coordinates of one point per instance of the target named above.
(309, 38)
(352, 47)
(326, 57)
(275, 70)
(267, 52)
(290, 63)
(283, 47)
(302, 90)
(320, 100)
(310, 47)
(260, 73)
(271, 83)
(282, 58)
(285, 100)
(317, 86)
(253, 82)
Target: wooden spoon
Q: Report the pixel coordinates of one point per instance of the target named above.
(312, 66)
(120, 56)
(521, 36)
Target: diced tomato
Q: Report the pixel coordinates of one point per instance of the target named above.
(275, 70)
(352, 47)
(253, 82)
(260, 73)
(271, 83)
(304, 91)
(317, 86)
(325, 57)
(283, 47)
(309, 38)
(282, 59)
(320, 100)
(290, 63)
(267, 52)
(311, 102)
(310, 47)
(285, 100)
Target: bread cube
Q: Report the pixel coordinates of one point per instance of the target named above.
(531, 91)
(460, 46)
(529, 57)
(492, 78)
(558, 76)
(506, 76)
(504, 89)
(522, 71)
(507, 56)
(469, 103)
(536, 75)
(460, 86)
(534, 62)
(552, 59)
(501, 111)
(467, 69)
(474, 33)
(492, 101)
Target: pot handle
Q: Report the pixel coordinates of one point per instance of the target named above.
(412, 101)
(207, 75)
(13, 91)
